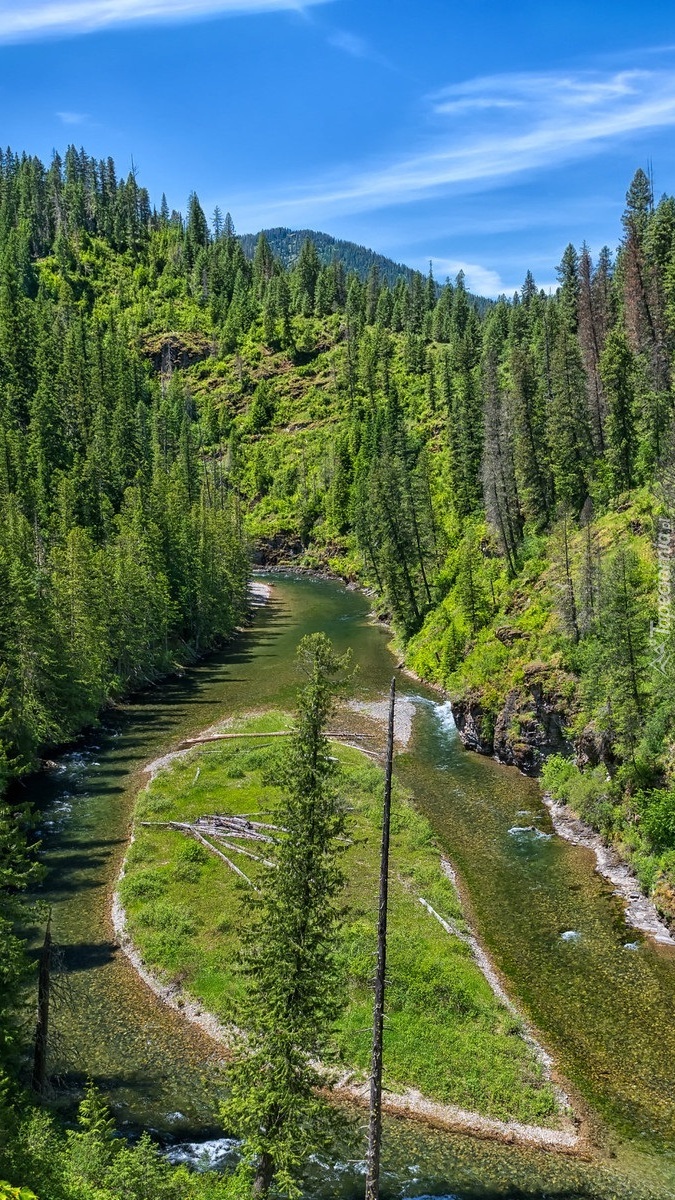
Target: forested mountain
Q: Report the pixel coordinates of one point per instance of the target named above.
(494, 476)
(286, 245)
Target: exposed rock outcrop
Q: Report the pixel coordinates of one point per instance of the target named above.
(474, 726)
(280, 549)
(508, 634)
(528, 727)
(171, 351)
(594, 746)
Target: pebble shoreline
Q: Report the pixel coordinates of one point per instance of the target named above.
(640, 911)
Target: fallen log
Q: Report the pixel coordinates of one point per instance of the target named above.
(230, 737)
(235, 828)
(205, 738)
(256, 857)
(231, 865)
(191, 831)
(242, 822)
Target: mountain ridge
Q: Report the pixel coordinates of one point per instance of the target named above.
(286, 245)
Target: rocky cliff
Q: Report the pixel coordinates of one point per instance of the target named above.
(528, 727)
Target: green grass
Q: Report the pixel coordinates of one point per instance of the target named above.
(446, 1032)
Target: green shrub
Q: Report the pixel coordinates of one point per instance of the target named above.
(658, 820)
(647, 870)
(192, 852)
(586, 792)
(154, 805)
(169, 918)
(262, 407)
(187, 872)
(556, 776)
(143, 885)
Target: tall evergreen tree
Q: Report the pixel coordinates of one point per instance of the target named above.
(617, 370)
(294, 990)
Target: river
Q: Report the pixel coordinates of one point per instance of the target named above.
(602, 998)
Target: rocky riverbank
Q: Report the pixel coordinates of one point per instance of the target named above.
(641, 912)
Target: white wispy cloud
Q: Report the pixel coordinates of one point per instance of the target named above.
(351, 43)
(486, 132)
(548, 90)
(483, 281)
(356, 47)
(72, 118)
(36, 19)
(465, 104)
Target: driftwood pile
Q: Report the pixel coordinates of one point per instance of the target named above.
(223, 829)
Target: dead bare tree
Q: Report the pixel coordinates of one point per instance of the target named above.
(39, 1078)
(375, 1123)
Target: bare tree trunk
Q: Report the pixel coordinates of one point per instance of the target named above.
(39, 1080)
(263, 1175)
(375, 1124)
(418, 543)
(570, 584)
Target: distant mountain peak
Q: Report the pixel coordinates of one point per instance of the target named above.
(287, 243)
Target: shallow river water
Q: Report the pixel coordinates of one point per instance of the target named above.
(601, 997)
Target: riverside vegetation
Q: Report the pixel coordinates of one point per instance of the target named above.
(497, 472)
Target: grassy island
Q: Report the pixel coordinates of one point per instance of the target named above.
(447, 1033)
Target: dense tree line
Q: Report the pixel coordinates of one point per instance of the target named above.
(119, 542)
(121, 548)
(286, 245)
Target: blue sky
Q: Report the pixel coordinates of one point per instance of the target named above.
(483, 134)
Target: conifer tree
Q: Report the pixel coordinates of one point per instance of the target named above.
(372, 294)
(568, 293)
(568, 426)
(642, 293)
(617, 370)
(568, 609)
(530, 459)
(325, 294)
(592, 334)
(589, 576)
(500, 489)
(624, 626)
(197, 229)
(94, 1146)
(294, 991)
(263, 265)
(305, 276)
(471, 589)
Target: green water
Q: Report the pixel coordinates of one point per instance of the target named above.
(605, 1011)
